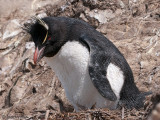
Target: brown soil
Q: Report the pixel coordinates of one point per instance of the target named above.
(28, 91)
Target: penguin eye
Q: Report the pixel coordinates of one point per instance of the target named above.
(49, 38)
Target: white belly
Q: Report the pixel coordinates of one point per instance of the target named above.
(71, 67)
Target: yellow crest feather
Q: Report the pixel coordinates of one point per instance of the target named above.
(44, 25)
(45, 37)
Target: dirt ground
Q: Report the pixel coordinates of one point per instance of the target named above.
(33, 92)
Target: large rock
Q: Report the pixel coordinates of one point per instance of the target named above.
(102, 16)
(11, 29)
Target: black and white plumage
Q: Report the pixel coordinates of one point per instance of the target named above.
(91, 69)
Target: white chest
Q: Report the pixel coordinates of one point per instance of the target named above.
(70, 64)
(71, 67)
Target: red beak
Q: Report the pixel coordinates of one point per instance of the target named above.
(38, 54)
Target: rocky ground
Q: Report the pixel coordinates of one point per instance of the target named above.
(33, 92)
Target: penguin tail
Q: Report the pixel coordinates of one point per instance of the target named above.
(136, 101)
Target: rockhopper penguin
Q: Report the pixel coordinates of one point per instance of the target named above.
(91, 69)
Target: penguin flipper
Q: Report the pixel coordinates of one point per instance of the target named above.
(97, 68)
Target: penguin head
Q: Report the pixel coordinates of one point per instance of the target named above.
(48, 36)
